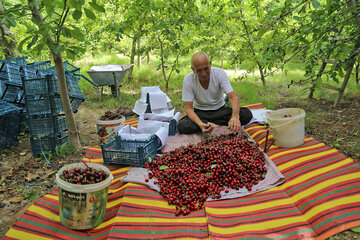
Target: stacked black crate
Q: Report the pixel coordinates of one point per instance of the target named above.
(44, 114)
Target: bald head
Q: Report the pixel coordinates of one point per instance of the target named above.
(201, 66)
(199, 58)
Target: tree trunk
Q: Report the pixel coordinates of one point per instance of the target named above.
(261, 68)
(8, 41)
(132, 58)
(60, 72)
(148, 57)
(321, 70)
(139, 54)
(72, 129)
(163, 65)
(350, 66)
(354, 3)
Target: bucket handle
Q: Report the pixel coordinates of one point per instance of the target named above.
(284, 123)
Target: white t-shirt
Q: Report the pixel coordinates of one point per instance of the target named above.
(211, 98)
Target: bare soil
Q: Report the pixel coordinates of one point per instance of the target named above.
(24, 178)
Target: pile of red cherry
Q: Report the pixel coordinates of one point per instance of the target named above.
(189, 175)
(110, 116)
(82, 176)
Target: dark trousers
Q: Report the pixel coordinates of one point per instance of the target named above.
(220, 116)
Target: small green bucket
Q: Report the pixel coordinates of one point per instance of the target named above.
(82, 206)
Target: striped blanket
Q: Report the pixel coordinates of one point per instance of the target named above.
(321, 197)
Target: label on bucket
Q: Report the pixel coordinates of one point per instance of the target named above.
(108, 131)
(82, 210)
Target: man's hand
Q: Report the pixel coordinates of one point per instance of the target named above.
(207, 127)
(234, 124)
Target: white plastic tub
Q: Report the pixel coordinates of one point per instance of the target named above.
(288, 126)
(107, 129)
(82, 206)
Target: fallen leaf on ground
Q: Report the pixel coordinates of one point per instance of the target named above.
(30, 176)
(15, 199)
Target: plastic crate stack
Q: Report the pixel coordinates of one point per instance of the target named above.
(44, 114)
(10, 124)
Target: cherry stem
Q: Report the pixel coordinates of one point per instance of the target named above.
(85, 163)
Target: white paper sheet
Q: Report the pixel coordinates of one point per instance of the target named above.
(160, 129)
(140, 107)
(160, 115)
(259, 116)
(177, 117)
(145, 90)
(145, 130)
(157, 101)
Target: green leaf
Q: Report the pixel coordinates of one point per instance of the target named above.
(356, 229)
(59, 48)
(89, 14)
(214, 165)
(66, 32)
(97, 7)
(77, 14)
(20, 46)
(11, 21)
(77, 35)
(262, 31)
(299, 19)
(74, 4)
(149, 159)
(163, 167)
(328, 4)
(33, 41)
(315, 4)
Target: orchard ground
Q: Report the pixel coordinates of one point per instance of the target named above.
(24, 178)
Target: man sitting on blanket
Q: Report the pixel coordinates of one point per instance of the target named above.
(203, 95)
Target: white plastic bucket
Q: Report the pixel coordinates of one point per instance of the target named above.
(108, 129)
(288, 126)
(82, 206)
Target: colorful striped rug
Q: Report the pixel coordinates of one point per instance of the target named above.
(321, 197)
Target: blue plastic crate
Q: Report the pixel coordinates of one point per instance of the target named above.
(73, 86)
(18, 60)
(43, 105)
(47, 144)
(10, 124)
(43, 124)
(43, 65)
(12, 93)
(46, 72)
(11, 72)
(75, 102)
(127, 152)
(38, 86)
(71, 68)
(29, 72)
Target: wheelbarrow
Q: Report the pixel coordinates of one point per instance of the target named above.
(109, 75)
